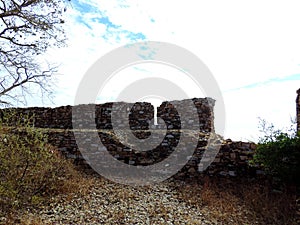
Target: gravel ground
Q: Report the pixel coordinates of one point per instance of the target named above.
(105, 202)
(110, 203)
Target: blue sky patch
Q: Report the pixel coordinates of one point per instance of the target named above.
(114, 32)
(135, 36)
(147, 55)
(80, 20)
(141, 69)
(123, 4)
(269, 81)
(84, 7)
(117, 35)
(105, 20)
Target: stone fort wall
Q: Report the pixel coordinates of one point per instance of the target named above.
(231, 160)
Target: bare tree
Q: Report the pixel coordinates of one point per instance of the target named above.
(27, 29)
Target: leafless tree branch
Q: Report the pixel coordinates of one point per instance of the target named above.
(27, 29)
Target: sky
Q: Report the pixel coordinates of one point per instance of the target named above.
(252, 48)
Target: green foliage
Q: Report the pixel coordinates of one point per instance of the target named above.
(30, 169)
(279, 153)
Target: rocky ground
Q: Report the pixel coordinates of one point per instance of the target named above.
(105, 202)
(170, 202)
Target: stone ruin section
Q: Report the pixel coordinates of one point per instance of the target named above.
(140, 113)
(57, 123)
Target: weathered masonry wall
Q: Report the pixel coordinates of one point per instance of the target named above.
(139, 115)
(230, 161)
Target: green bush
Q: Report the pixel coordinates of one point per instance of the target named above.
(30, 169)
(279, 153)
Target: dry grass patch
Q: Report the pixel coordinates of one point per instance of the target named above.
(31, 170)
(241, 202)
(77, 184)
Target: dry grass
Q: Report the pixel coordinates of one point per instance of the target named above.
(236, 202)
(78, 184)
(225, 201)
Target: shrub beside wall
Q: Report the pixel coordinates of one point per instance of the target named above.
(30, 168)
(279, 153)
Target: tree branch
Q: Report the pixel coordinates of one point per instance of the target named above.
(16, 43)
(27, 29)
(14, 28)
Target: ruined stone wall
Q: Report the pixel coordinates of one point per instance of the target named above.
(230, 161)
(139, 113)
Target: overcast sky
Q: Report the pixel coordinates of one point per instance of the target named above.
(251, 47)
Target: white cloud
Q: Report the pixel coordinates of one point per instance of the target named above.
(274, 102)
(141, 71)
(241, 42)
